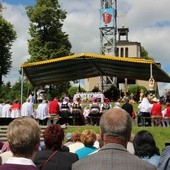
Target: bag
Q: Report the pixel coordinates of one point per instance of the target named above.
(43, 165)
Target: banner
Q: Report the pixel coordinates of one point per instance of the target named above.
(107, 17)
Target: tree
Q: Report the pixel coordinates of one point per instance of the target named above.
(7, 37)
(144, 54)
(5, 90)
(112, 93)
(95, 89)
(58, 90)
(9, 92)
(47, 38)
(135, 90)
(73, 90)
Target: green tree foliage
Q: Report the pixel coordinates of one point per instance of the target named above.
(135, 90)
(5, 90)
(58, 90)
(95, 89)
(73, 90)
(47, 38)
(7, 37)
(9, 92)
(112, 93)
(144, 54)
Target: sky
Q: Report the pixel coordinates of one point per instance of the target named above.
(148, 22)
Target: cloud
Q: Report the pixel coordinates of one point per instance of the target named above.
(148, 22)
(163, 88)
(82, 25)
(16, 15)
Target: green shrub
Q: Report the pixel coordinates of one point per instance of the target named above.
(135, 90)
(73, 90)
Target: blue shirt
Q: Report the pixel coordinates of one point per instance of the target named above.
(154, 160)
(85, 151)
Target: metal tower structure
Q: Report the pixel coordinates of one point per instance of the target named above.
(108, 31)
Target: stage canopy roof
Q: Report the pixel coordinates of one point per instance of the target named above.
(80, 66)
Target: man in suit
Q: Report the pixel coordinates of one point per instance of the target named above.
(115, 126)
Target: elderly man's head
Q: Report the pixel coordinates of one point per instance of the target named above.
(116, 125)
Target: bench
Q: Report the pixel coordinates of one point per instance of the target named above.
(93, 119)
(3, 130)
(155, 121)
(72, 119)
(166, 121)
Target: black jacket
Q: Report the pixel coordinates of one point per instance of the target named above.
(62, 160)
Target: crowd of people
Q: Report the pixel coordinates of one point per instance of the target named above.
(150, 111)
(82, 150)
(48, 112)
(153, 111)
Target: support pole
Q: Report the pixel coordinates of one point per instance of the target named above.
(151, 70)
(151, 80)
(22, 84)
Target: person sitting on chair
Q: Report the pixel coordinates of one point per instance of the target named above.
(77, 111)
(115, 132)
(54, 156)
(23, 135)
(106, 105)
(54, 110)
(95, 111)
(65, 110)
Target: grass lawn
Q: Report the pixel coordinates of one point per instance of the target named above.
(161, 135)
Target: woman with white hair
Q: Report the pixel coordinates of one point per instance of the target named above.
(23, 136)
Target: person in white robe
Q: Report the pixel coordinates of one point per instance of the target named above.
(15, 109)
(6, 112)
(144, 115)
(42, 113)
(27, 108)
(1, 105)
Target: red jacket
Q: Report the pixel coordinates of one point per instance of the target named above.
(54, 107)
(167, 114)
(156, 109)
(15, 106)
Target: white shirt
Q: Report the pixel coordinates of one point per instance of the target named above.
(86, 112)
(27, 109)
(32, 98)
(5, 156)
(1, 105)
(42, 111)
(6, 111)
(164, 112)
(20, 161)
(15, 113)
(145, 105)
(75, 146)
